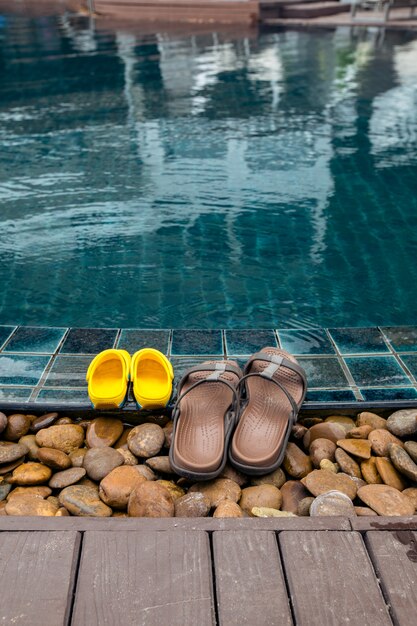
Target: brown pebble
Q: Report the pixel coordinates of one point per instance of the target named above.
(360, 432)
(40, 490)
(43, 421)
(122, 441)
(67, 477)
(360, 448)
(116, 487)
(364, 511)
(150, 499)
(160, 464)
(146, 440)
(17, 426)
(77, 457)
(293, 491)
(101, 461)
(64, 420)
(175, 490)
(411, 492)
(67, 437)
(233, 474)
(3, 421)
(298, 431)
(192, 505)
(83, 501)
(276, 478)
(380, 440)
(129, 458)
(386, 500)
(321, 481)
(326, 430)
(296, 463)
(56, 459)
(347, 464)
(303, 509)
(9, 467)
(260, 496)
(10, 451)
(371, 419)
(389, 474)
(370, 472)
(145, 471)
(322, 449)
(30, 474)
(227, 508)
(217, 490)
(29, 504)
(30, 442)
(168, 430)
(103, 431)
(62, 512)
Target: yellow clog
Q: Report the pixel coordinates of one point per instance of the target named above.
(108, 377)
(151, 374)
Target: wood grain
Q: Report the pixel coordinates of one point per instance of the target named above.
(394, 555)
(331, 580)
(37, 571)
(144, 578)
(252, 559)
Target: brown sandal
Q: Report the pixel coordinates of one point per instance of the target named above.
(273, 388)
(204, 417)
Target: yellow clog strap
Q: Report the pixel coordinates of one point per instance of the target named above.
(156, 355)
(123, 355)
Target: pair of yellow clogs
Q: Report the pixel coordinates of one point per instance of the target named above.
(149, 370)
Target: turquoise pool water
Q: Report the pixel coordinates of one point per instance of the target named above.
(208, 180)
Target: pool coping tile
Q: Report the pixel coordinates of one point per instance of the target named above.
(361, 340)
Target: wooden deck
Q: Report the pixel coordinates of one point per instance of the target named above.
(203, 572)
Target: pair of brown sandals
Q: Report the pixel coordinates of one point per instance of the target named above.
(258, 406)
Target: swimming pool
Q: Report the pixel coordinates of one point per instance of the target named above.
(206, 181)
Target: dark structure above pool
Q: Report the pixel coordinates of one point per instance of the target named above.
(346, 367)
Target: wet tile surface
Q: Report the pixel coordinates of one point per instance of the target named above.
(383, 394)
(189, 342)
(249, 341)
(21, 370)
(401, 338)
(88, 340)
(358, 340)
(299, 342)
(15, 393)
(68, 371)
(331, 395)
(323, 372)
(25, 355)
(133, 340)
(372, 371)
(34, 339)
(5, 332)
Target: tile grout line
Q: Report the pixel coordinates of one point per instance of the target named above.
(398, 359)
(38, 387)
(352, 384)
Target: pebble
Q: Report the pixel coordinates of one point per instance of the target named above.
(364, 511)
(411, 448)
(326, 430)
(386, 500)
(304, 505)
(321, 481)
(239, 478)
(292, 492)
(321, 449)
(371, 419)
(160, 464)
(194, 505)
(370, 472)
(40, 490)
(381, 440)
(346, 422)
(3, 507)
(103, 431)
(116, 487)
(56, 459)
(403, 423)
(227, 508)
(10, 452)
(325, 464)
(360, 432)
(332, 503)
(389, 474)
(62, 512)
(146, 440)
(359, 482)
(67, 477)
(150, 499)
(43, 421)
(168, 430)
(276, 478)
(360, 448)
(122, 441)
(296, 463)
(347, 464)
(129, 458)
(4, 490)
(9, 467)
(218, 489)
(265, 511)
(65, 420)
(29, 504)
(175, 490)
(3, 422)
(403, 462)
(29, 441)
(308, 422)
(99, 462)
(298, 431)
(30, 474)
(146, 472)
(83, 501)
(77, 457)
(411, 492)
(17, 426)
(260, 496)
(66, 437)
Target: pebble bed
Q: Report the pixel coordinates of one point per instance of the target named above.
(54, 465)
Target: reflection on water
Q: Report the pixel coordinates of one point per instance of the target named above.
(206, 181)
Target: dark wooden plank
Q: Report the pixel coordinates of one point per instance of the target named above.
(330, 577)
(374, 522)
(37, 572)
(394, 555)
(252, 559)
(151, 578)
(175, 523)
